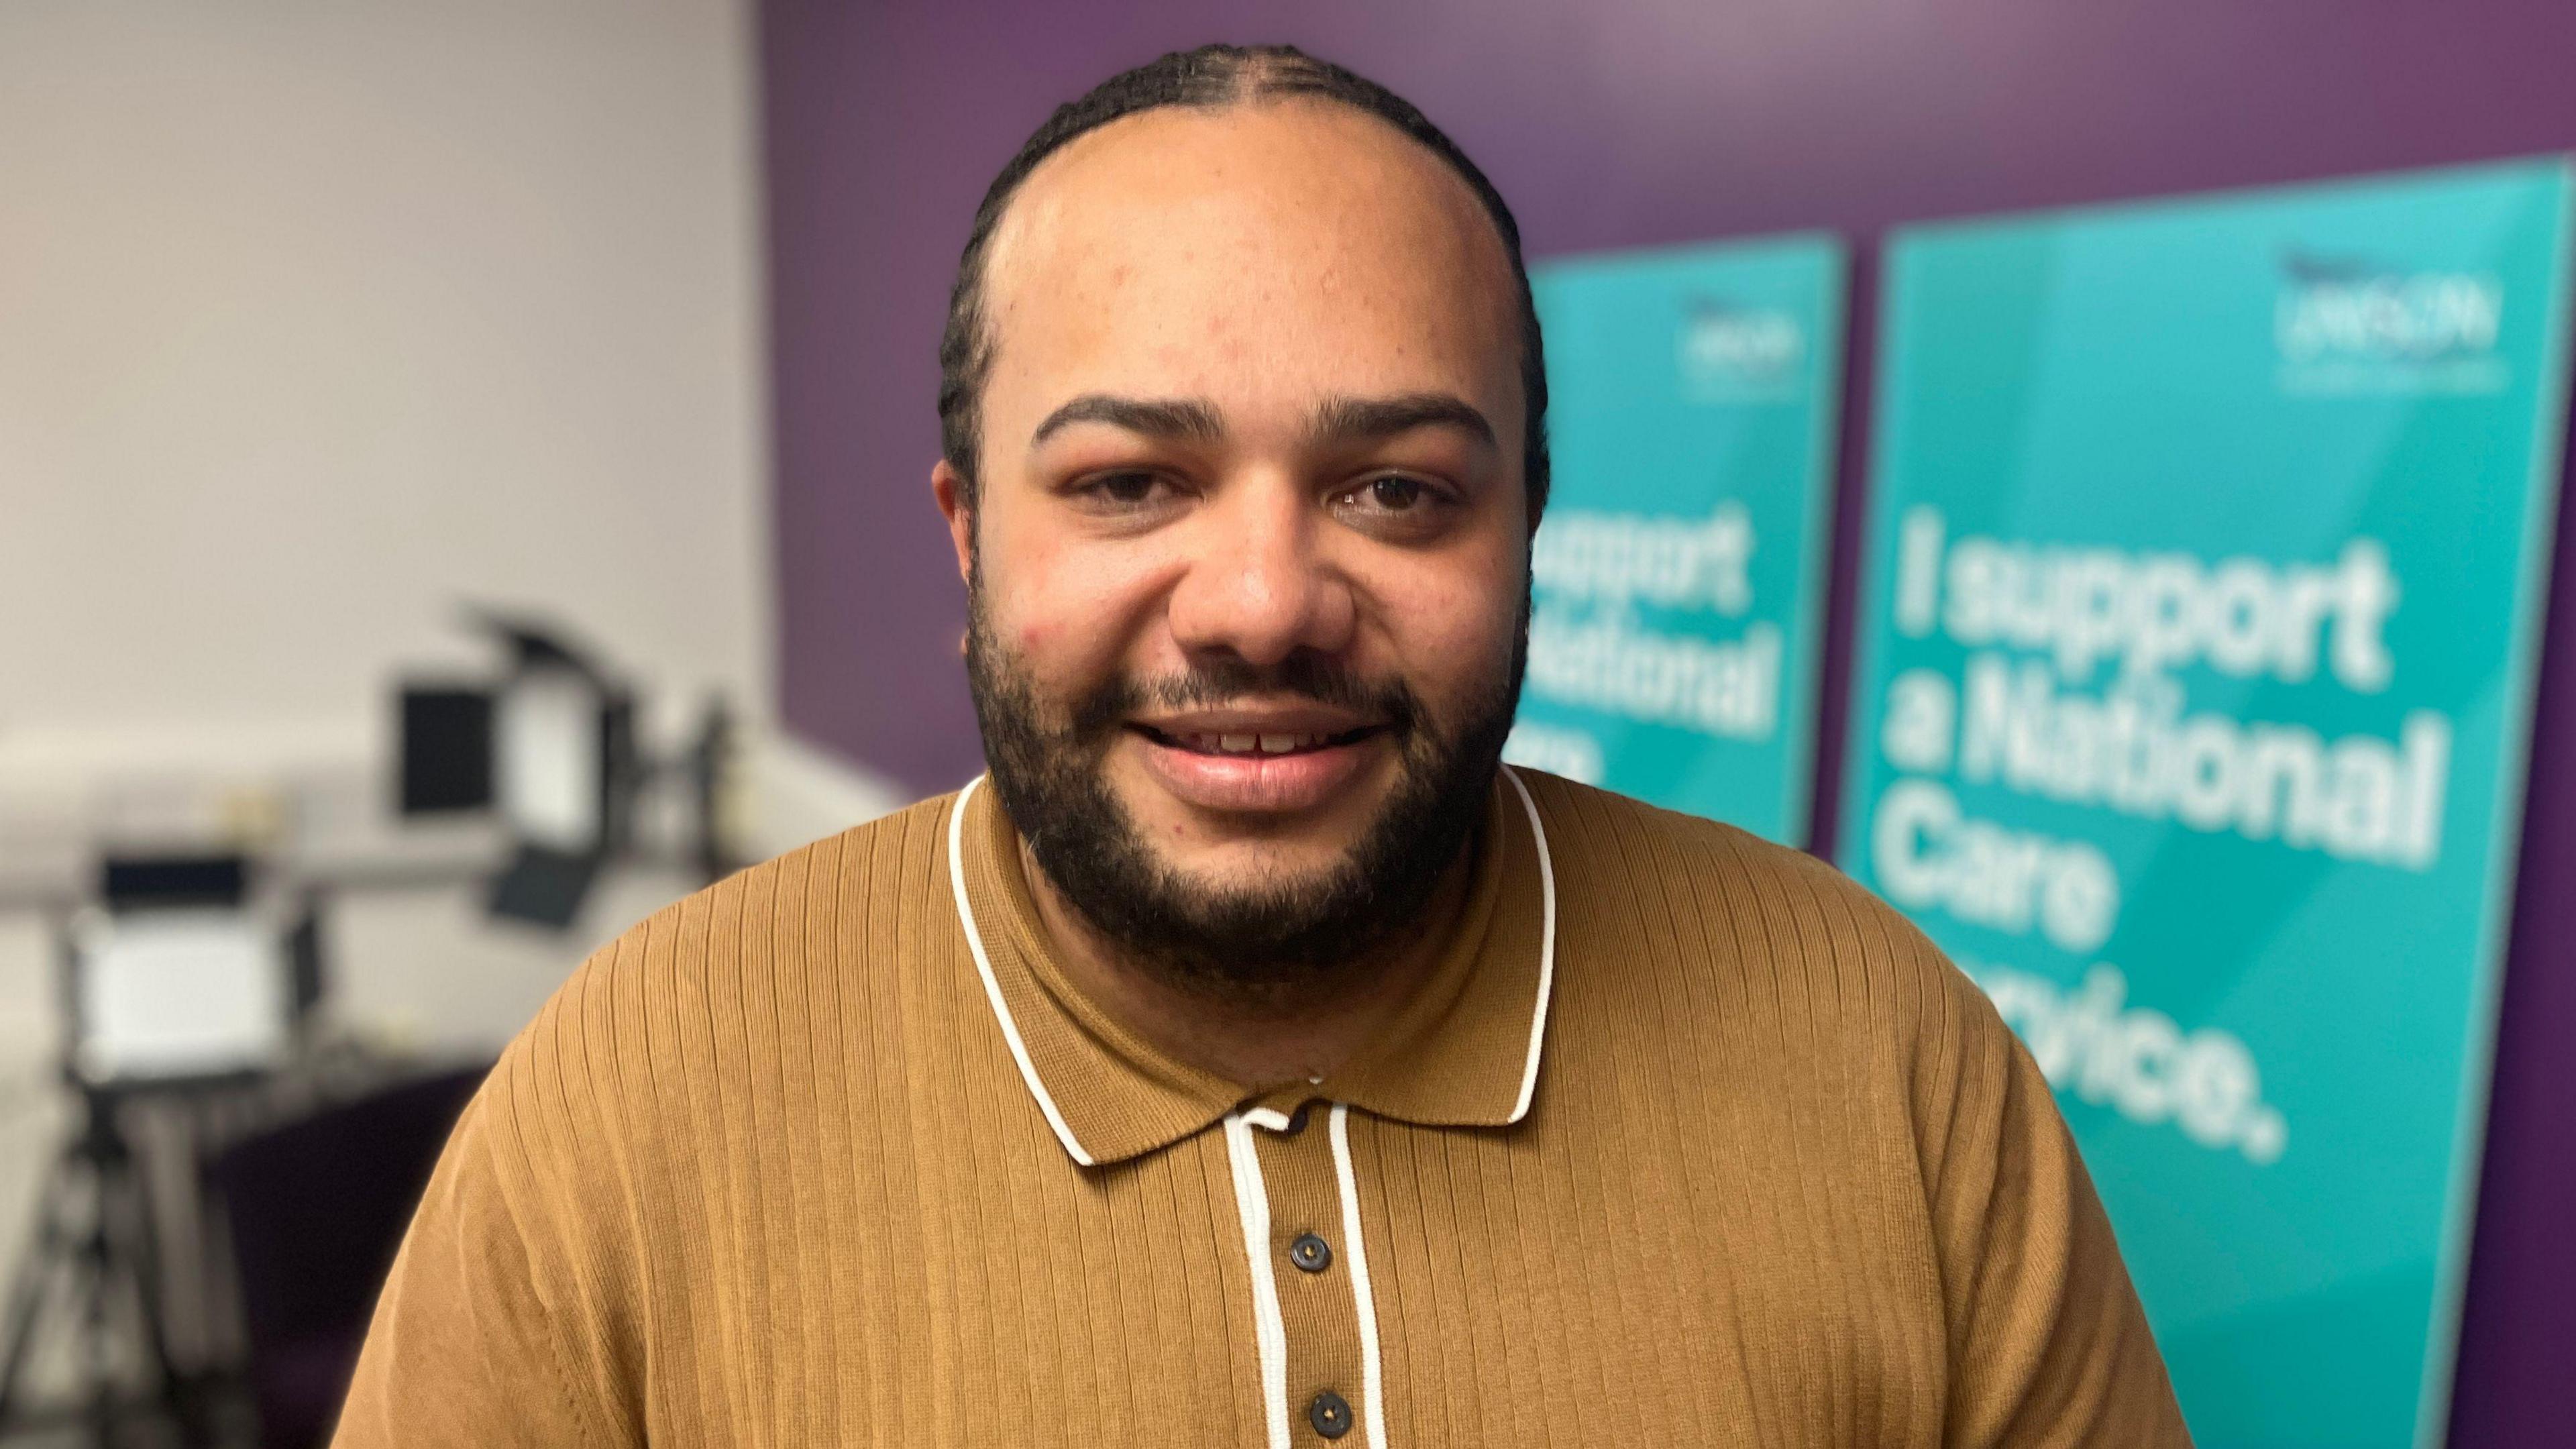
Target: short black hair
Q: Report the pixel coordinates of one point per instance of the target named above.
(1211, 77)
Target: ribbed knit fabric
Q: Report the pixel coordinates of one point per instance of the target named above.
(770, 1170)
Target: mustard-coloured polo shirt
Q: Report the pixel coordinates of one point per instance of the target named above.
(1686, 1140)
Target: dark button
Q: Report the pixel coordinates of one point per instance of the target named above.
(1311, 1253)
(1330, 1414)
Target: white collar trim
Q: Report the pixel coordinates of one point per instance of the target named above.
(1020, 1049)
(993, 988)
(1546, 945)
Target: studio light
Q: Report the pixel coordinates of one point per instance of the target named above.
(548, 747)
(181, 981)
(181, 973)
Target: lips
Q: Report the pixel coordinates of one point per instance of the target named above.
(1236, 766)
(1252, 742)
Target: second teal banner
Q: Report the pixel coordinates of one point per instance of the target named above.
(1679, 576)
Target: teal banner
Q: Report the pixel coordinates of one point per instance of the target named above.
(2206, 549)
(1678, 580)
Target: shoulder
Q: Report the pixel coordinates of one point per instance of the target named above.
(712, 982)
(789, 904)
(893, 857)
(1605, 844)
(1700, 910)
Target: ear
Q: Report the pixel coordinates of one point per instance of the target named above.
(948, 486)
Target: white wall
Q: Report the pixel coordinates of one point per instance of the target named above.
(317, 318)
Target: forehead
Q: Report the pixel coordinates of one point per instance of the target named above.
(1304, 240)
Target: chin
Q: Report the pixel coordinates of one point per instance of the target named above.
(1257, 867)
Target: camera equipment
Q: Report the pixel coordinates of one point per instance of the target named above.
(549, 746)
(180, 979)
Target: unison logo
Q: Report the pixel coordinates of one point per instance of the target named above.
(2344, 325)
(1731, 352)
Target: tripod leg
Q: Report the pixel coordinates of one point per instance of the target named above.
(101, 1334)
(45, 1238)
(97, 1264)
(143, 1262)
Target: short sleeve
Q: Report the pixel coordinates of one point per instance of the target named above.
(2049, 1345)
(488, 1328)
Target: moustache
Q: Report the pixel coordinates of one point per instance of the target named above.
(1222, 681)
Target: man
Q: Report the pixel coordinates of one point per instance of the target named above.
(1249, 1059)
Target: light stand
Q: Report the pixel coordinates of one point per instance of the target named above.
(177, 989)
(105, 1265)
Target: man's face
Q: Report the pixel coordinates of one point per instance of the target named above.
(1248, 554)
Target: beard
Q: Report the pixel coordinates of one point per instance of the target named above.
(1254, 941)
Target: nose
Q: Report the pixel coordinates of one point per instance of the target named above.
(1260, 586)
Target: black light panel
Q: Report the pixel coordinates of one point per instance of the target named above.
(446, 749)
(543, 887)
(149, 882)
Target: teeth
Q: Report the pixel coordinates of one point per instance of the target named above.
(1255, 744)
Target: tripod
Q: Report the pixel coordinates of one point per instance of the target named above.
(98, 1244)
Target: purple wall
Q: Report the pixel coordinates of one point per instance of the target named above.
(1628, 122)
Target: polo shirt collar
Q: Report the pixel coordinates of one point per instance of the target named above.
(1463, 1051)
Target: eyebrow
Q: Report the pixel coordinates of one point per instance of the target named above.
(1349, 419)
(1340, 419)
(1181, 418)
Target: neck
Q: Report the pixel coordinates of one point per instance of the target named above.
(1299, 1032)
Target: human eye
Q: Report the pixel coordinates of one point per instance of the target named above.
(1396, 504)
(1126, 491)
